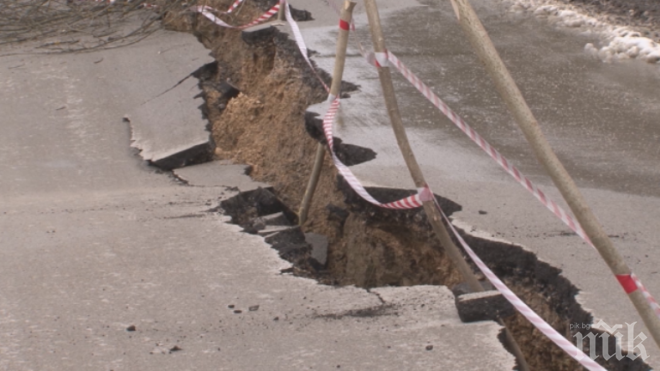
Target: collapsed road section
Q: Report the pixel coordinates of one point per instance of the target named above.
(257, 92)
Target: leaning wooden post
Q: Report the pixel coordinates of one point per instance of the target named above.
(281, 13)
(335, 87)
(516, 104)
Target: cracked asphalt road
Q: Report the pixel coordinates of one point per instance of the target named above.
(106, 264)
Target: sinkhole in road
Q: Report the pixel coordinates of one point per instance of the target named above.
(256, 94)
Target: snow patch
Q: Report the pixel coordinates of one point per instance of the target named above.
(627, 44)
(618, 43)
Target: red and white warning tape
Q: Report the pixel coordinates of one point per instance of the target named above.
(297, 35)
(148, 6)
(208, 12)
(414, 201)
(649, 298)
(234, 6)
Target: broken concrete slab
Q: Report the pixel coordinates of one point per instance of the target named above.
(272, 229)
(267, 221)
(286, 235)
(246, 206)
(483, 306)
(170, 130)
(319, 244)
(275, 219)
(464, 288)
(217, 174)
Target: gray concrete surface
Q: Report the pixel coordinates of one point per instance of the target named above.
(167, 129)
(601, 118)
(107, 264)
(216, 173)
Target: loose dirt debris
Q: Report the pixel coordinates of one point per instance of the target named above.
(256, 97)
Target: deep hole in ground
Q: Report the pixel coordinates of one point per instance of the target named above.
(256, 96)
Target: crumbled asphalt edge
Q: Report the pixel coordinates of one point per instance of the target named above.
(508, 261)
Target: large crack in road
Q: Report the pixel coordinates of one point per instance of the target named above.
(257, 94)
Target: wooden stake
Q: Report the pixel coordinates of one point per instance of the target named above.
(509, 92)
(280, 14)
(335, 87)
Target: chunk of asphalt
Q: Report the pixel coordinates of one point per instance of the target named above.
(289, 242)
(248, 205)
(276, 219)
(349, 154)
(286, 235)
(262, 222)
(218, 173)
(319, 245)
(464, 288)
(483, 306)
(170, 130)
(259, 35)
(271, 229)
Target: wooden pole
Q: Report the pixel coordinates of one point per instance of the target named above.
(416, 172)
(335, 89)
(509, 92)
(280, 14)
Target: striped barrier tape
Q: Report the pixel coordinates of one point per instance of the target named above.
(208, 12)
(234, 6)
(297, 35)
(646, 293)
(412, 202)
(148, 6)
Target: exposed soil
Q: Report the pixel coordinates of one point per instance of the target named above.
(256, 97)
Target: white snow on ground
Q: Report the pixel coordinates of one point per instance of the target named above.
(617, 42)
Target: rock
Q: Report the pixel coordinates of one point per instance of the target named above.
(272, 229)
(464, 288)
(258, 224)
(483, 306)
(246, 206)
(319, 245)
(290, 243)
